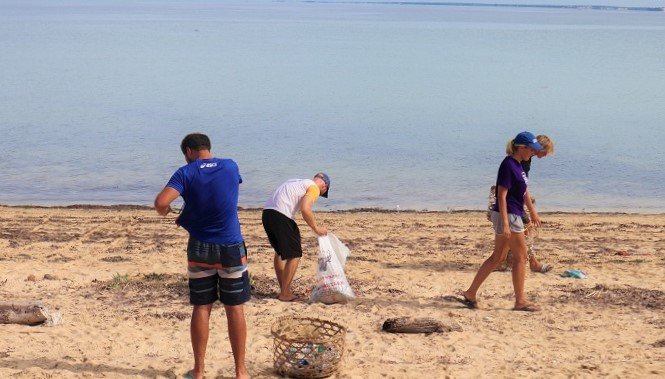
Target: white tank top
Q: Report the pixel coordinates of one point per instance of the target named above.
(286, 198)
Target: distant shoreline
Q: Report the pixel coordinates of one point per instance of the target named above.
(454, 4)
(132, 207)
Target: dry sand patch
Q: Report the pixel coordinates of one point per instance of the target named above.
(118, 276)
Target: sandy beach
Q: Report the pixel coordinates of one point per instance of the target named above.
(117, 276)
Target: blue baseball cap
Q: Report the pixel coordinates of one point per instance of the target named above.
(527, 139)
(326, 179)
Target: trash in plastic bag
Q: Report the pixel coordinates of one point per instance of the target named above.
(339, 248)
(331, 283)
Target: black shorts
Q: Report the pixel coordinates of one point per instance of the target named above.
(283, 234)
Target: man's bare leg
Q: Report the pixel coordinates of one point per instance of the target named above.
(288, 274)
(235, 317)
(199, 330)
(279, 270)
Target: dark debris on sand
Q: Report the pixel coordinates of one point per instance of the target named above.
(262, 286)
(141, 291)
(116, 258)
(627, 296)
(265, 287)
(177, 315)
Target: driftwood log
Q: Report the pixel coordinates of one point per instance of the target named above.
(25, 313)
(416, 325)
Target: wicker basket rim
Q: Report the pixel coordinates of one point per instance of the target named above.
(275, 334)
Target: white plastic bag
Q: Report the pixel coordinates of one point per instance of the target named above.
(339, 248)
(331, 284)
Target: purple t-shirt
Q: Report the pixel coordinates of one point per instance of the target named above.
(512, 176)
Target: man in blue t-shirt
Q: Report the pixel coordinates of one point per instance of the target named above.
(216, 254)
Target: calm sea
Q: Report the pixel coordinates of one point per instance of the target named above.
(405, 106)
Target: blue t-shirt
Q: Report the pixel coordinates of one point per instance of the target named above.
(209, 188)
(512, 176)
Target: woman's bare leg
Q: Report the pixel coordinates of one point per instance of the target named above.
(498, 255)
(518, 247)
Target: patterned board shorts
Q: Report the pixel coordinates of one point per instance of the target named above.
(217, 272)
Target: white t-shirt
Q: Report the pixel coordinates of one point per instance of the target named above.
(286, 198)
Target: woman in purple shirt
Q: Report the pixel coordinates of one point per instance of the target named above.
(506, 216)
(534, 265)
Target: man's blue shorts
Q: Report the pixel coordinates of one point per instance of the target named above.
(217, 272)
(228, 291)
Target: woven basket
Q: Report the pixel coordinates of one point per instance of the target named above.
(307, 347)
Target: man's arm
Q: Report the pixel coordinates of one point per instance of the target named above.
(164, 199)
(306, 204)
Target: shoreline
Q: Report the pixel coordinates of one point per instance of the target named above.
(479, 4)
(125, 207)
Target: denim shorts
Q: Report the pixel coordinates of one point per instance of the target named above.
(515, 221)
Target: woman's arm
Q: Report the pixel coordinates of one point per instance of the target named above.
(503, 209)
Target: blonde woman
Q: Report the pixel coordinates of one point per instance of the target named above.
(512, 196)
